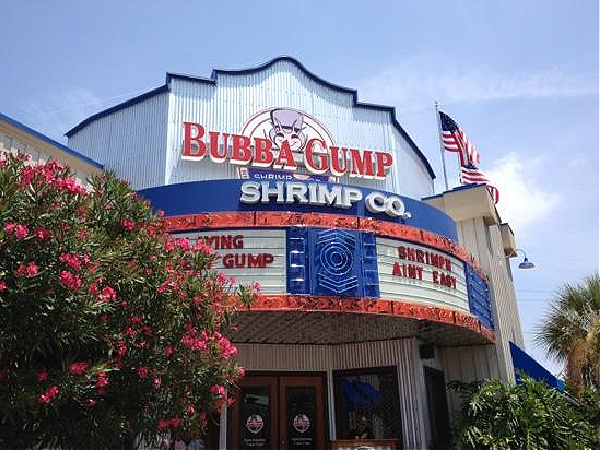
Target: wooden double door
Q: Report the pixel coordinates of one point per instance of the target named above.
(278, 412)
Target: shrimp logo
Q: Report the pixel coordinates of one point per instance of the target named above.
(286, 124)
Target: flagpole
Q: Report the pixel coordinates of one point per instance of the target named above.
(442, 151)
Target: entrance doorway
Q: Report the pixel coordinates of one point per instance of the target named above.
(278, 412)
(435, 386)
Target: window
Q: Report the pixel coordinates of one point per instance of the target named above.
(369, 393)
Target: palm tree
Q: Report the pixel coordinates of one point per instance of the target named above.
(570, 333)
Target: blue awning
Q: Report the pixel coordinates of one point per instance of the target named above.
(522, 361)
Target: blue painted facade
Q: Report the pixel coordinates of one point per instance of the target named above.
(479, 297)
(331, 262)
(223, 195)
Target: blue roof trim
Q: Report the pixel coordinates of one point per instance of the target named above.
(43, 137)
(213, 80)
(522, 361)
(112, 109)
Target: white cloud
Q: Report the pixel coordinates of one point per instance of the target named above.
(55, 114)
(523, 201)
(415, 83)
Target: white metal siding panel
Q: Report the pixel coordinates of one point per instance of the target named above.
(481, 363)
(472, 236)
(226, 106)
(130, 141)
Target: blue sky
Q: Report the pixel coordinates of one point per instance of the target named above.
(520, 77)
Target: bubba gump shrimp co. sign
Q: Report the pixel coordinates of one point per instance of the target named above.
(272, 137)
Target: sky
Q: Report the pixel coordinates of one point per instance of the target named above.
(521, 78)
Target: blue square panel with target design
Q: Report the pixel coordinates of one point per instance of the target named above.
(331, 262)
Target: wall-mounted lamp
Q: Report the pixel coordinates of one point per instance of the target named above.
(525, 264)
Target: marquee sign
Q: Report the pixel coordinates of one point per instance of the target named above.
(248, 255)
(272, 138)
(416, 273)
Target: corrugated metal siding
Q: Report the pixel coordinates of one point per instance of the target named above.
(399, 353)
(485, 243)
(468, 364)
(226, 106)
(130, 141)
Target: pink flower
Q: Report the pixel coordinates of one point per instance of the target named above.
(157, 382)
(127, 224)
(68, 279)
(108, 293)
(256, 287)
(218, 390)
(143, 372)
(241, 372)
(9, 227)
(78, 368)
(32, 269)
(71, 259)
(169, 350)
(101, 381)
(162, 424)
(20, 231)
(41, 233)
(29, 270)
(3, 286)
(27, 174)
(175, 422)
(48, 395)
(191, 410)
(221, 278)
(42, 375)
(121, 349)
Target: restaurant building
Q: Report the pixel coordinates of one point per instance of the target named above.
(376, 291)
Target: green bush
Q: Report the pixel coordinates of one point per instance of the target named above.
(109, 328)
(530, 415)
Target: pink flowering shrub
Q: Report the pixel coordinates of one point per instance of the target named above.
(109, 328)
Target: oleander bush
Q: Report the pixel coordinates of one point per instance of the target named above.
(110, 329)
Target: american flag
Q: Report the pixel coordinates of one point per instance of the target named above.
(455, 140)
(471, 174)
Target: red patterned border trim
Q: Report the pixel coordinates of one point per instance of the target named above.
(289, 219)
(397, 308)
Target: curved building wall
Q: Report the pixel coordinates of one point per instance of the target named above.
(142, 139)
(228, 104)
(129, 141)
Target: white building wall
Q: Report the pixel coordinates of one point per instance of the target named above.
(81, 171)
(130, 141)
(485, 244)
(226, 107)
(142, 142)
